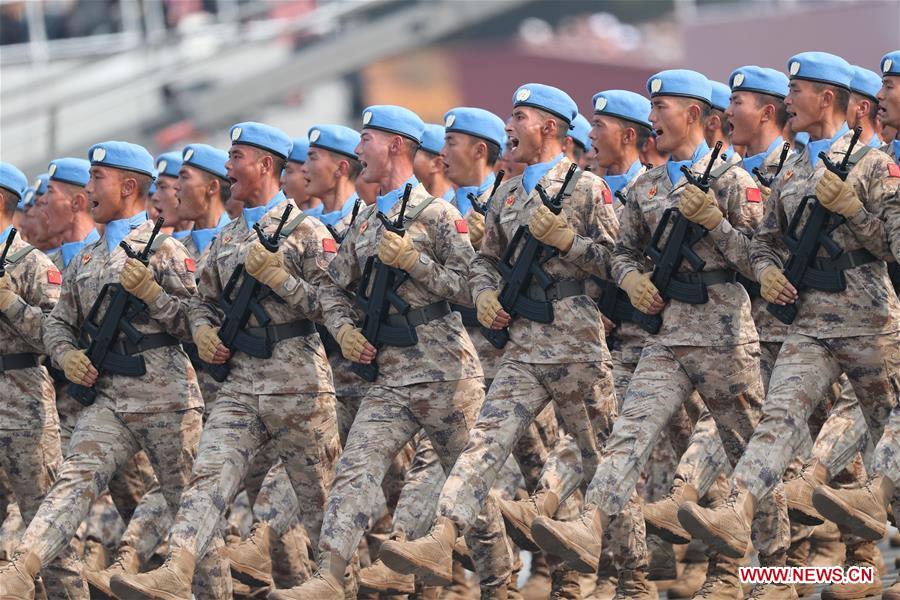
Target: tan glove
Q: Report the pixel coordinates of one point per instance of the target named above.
(772, 282)
(551, 229)
(397, 251)
(475, 220)
(487, 306)
(78, 367)
(266, 267)
(137, 279)
(700, 208)
(837, 195)
(352, 342)
(640, 290)
(207, 340)
(7, 294)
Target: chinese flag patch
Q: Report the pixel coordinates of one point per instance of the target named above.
(893, 170)
(462, 226)
(754, 195)
(329, 245)
(607, 196)
(190, 265)
(54, 276)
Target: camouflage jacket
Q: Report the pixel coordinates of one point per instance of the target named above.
(868, 305)
(444, 351)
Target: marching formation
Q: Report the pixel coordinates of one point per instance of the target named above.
(649, 348)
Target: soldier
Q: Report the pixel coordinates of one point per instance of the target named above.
(889, 104)
(862, 110)
(66, 209)
(330, 173)
(833, 331)
(202, 190)
(429, 168)
(578, 141)
(715, 125)
(295, 410)
(29, 426)
(649, 154)
(159, 411)
(35, 225)
(292, 180)
(164, 201)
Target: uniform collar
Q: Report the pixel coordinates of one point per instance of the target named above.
(462, 202)
(118, 230)
(253, 215)
(756, 160)
(673, 167)
(875, 142)
(618, 182)
(533, 173)
(316, 211)
(70, 249)
(895, 145)
(332, 218)
(813, 148)
(387, 201)
(202, 238)
(180, 235)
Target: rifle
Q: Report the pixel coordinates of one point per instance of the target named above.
(621, 197)
(679, 246)
(9, 242)
(99, 338)
(767, 181)
(377, 303)
(477, 206)
(338, 237)
(816, 234)
(517, 277)
(240, 305)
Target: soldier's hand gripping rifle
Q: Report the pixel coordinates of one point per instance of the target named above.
(376, 304)
(816, 234)
(240, 305)
(9, 242)
(528, 267)
(767, 181)
(99, 337)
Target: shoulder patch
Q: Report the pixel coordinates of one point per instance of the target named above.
(54, 276)
(607, 196)
(893, 170)
(190, 265)
(754, 195)
(462, 226)
(329, 245)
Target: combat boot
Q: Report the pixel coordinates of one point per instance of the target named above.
(17, 577)
(605, 588)
(773, 591)
(494, 592)
(380, 579)
(564, 584)
(127, 562)
(172, 581)
(661, 516)
(893, 592)
(799, 494)
(635, 585)
(894, 539)
(725, 528)
(327, 583)
(251, 559)
(862, 510)
(520, 515)
(461, 554)
(429, 558)
(95, 558)
(538, 583)
(722, 581)
(864, 554)
(461, 588)
(692, 577)
(798, 556)
(577, 542)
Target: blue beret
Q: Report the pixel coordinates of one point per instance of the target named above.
(682, 83)
(394, 119)
(476, 122)
(299, 150)
(40, 184)
(865, 82)
(206, 158)
(152, 189)
(168, 164)
(122, 155)
(623, 104)
(432, 138)
(821, 67)
(721, 95)
(12, 179)
(760, 80)
(76, 171)
(548, 98)
(890, 63)
(580, 131)
(26, 198)
(335, 138)
(262, 136)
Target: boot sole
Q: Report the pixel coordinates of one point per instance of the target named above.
(430, 573)
(518, 531)
(250, 576)
(97, 590)
(669, 534)
(804, 514)
(861, 524)
(385, 589)
(720, 540)
(577, 558)
(124, 591)
(873, 593)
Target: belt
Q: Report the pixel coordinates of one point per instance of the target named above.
(284, 331)
(148, 342)
(557, 291)
(469, 315)
(707, 277)
(847, 260)
(14, 362)
(421, 315)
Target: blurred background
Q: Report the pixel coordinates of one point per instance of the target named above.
(167, 72)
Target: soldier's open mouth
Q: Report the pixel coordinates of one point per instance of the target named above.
(658, 132)
(513, 143)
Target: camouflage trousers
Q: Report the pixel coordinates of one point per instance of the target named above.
(304, 429)
(388, 418)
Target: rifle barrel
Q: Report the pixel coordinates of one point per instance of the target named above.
(856, 133)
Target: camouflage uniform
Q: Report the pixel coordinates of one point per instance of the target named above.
(694, 343)
(29, 426)
(435, 385)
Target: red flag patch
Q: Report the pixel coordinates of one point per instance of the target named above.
(190, 265)
(607, 196)
(462, 226)
(54, 276)
(893, 170)
(754, 195)
(329, 245)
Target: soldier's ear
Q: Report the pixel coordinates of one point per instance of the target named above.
(79, 201)
(213, 187)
